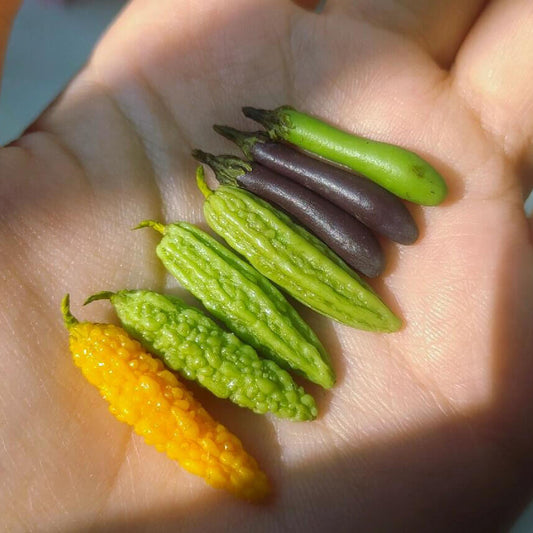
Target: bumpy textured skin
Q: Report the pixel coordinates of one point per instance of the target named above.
(244, 300)
(295, 260)
(191, 343)
(142, 393)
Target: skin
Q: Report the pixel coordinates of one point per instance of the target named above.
(427, 428)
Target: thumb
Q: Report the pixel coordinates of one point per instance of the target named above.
(8, 10)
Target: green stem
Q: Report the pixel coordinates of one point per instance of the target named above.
(275, 121)
(68, 319)
(227, 168)
(266, 117)
(104, 295)
(244, 140)
(200, 181)
(151, 224)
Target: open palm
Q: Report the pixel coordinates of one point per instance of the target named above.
(427, 428)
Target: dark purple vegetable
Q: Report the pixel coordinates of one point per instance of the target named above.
(344, 234)
(374, 206)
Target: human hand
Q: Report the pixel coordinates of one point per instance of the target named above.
(427, 428)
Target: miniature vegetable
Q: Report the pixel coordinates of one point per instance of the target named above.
(398, 170)
(294, 259)
(344, 234)
(370, 203)
(244, 300)
(191, 343)
(142, 393)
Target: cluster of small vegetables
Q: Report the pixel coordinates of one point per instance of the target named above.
(242, 295)
(339, 207)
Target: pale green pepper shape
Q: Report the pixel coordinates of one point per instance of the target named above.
(189, 342)
(291, 257)
(396, 169)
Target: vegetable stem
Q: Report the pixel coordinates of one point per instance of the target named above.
(227, 168)
(103, 295)
(151, 224)
(200, 181)
(274, 121)
(68, 317)
(244, 140)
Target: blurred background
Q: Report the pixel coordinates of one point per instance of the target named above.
(50, 42)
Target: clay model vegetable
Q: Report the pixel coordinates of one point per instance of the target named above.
(142, 393)
(191, 343)
(398, 170)
(343, 233)
(370, 203)
(243, 299)
(294, 259)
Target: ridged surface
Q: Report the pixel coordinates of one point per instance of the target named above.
(244, 300)
(191, 343)
(146, 396)
(341, 232)
(295, 260)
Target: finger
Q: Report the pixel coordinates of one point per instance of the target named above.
(493, 74)
(8, 10)
(440, 26)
